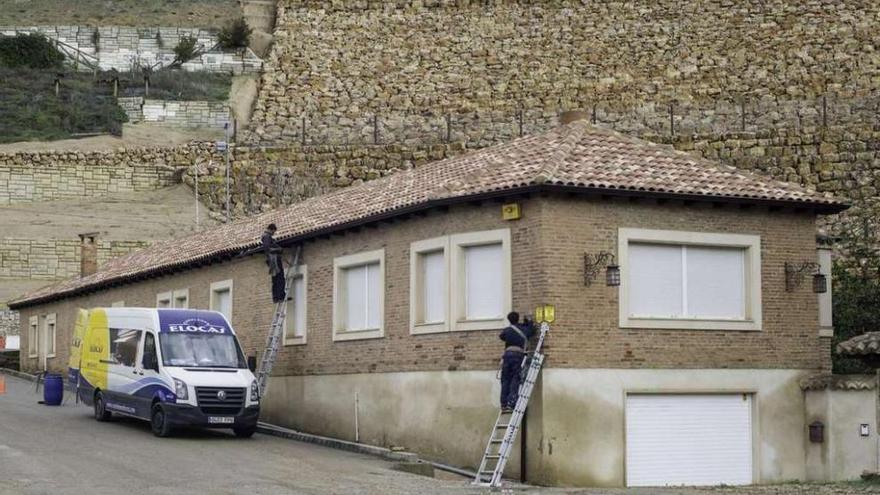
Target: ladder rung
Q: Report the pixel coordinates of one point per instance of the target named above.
(496, 440)
(499, 427)
(493, 457)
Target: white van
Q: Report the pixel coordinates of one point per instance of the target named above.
(171, 367)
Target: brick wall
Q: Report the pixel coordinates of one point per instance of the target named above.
(547, 248)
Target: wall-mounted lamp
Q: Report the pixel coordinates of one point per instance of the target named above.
(592, 264)
(795, 273)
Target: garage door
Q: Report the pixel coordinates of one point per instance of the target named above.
(688, 439)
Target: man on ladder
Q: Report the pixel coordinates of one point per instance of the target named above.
(273, 260)
(516, 339)
(516, 390)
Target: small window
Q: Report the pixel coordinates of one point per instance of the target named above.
(826, 319)
(123, 346)
(481, 279)
(295, 322)
(221, 298)
(163, 300)
(33, 336)
(50, 335)
(181, 299)
(359, 296)
(689, 280)
(429, 285)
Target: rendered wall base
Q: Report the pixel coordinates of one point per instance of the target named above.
(575, 432)
(845, 453)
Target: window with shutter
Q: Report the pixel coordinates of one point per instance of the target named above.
(359, 298)
(689, 280)
(295, 321)
(221, 298)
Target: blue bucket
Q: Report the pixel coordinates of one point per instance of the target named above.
(53, 390)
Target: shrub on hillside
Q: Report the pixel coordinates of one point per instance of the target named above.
(235, 35)
(186, 50)
(29, 50)
(30, 110)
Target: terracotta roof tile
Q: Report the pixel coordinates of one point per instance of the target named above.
(839, 382)
(861, 345)
(575, 155)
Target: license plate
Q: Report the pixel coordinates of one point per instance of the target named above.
(221, 420)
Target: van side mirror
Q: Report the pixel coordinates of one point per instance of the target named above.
(252, 363)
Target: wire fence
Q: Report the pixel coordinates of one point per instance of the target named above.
(668, 118)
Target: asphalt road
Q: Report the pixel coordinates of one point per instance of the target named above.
(63, 450)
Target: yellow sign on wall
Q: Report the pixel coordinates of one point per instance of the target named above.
(511, 211)
(546, 313)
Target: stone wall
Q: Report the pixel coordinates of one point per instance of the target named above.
(44, 176)
(339, 61)
(124, 47)
(266, 178)
(9, 324)
(206, 114)
(54, 259)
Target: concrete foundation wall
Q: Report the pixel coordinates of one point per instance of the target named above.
(575, 431)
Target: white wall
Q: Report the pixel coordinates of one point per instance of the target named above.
(845, 453)
(575, 420)
(12, 342)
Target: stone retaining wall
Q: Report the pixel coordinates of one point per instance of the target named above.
(125, 47)
(336, 61)
(9, 324)
(205, 114)
(53, 259)
(43, 176)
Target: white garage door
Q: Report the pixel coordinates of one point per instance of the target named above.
(682, 439)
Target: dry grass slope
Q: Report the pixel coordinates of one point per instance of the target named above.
(188, 13)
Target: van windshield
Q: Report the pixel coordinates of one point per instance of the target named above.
(202, 350)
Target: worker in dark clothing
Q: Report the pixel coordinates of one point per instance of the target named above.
(273, 260)
(516, 339)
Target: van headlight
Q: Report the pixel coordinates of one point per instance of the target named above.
(180, 389)
(255, 391)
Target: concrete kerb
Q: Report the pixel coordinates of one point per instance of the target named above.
(19, 374)
(335, 443)
(32, 378)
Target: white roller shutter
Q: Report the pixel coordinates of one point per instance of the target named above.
(678, 439)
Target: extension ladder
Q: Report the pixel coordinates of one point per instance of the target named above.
(276, 330)
(498, 449)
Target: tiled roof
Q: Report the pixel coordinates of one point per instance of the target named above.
(839, 382)
(575, 156)
(861, 345)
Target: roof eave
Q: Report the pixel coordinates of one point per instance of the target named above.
(249, 249)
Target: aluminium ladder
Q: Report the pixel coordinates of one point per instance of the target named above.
(498, 449)
(276, 330)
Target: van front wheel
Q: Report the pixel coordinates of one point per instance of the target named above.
(159, 422)
(101, 412)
